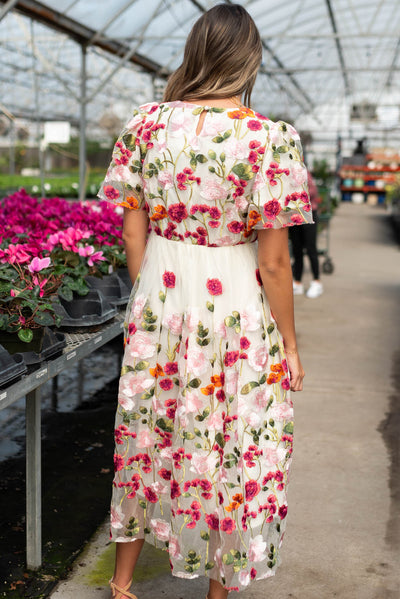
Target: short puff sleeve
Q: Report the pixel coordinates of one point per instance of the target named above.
(123, 184)
(280, 191)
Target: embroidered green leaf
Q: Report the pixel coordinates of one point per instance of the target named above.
(230, 321)
(227, 558)
(276, 156)
(161, 295)
(142, 503)
(216, 109)
(201, 158)
(271, 328)
(197, 432)
(193, 163)
(194, 383)
(209, 565)
(222, 157)
(288, 428)
(220, 439)
(197, 110)
(263, 379)
(218, 139)
(187, 435)
(142, 365)
(274, 349)
(227, 133)
(165, 425)
(126, 369)
(210, 306)
(248, 387)
(283, 149)
(204, 535)
(212, 154)
(129, 141)
(243, 171)
(149, 327)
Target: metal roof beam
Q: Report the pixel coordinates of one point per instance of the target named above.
(82, 34)
(393, 67)
(6, 8)
(339, 48)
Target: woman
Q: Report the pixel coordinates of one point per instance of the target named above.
(306, 238)
(204, 420)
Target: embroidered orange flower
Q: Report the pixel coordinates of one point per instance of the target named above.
(209, 390)
(159, 213)
(277, 368)
(273, 378)
(254, 218)
(241, 113)
(130, 202)
(216, 380)
(157, 371)
(237, 500)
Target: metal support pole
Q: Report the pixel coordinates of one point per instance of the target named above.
(33, 480)
(54, 393)
(81, 381)
(12, 148)
(37, 110)
(82, 128)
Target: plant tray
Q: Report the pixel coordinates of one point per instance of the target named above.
(53, 344)
(85, 311)
(11, 367)
(112, 287)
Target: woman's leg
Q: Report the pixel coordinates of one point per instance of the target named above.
(216, 590)
(296, 237)
(310, 243)
(126, 556)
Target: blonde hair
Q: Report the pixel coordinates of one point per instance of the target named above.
(223, 53)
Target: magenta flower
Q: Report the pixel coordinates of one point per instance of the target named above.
(111, 192)
(177, 212)
(272, 209)
(228, 525)
(252, 489)
(254, 125)
(230, 358)
(38, 264)
(214, 286)
(169, 279)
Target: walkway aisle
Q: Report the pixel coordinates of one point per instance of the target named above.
(343, 536)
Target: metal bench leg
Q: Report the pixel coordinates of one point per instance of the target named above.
(33, 480)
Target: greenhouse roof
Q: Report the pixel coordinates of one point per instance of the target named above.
(317, 53)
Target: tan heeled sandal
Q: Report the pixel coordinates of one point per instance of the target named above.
(117, 591)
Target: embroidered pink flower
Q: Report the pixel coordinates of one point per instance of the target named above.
(138, 305)
(250, 318)
(166, 179)
(272, 209)
(254, 125)
(235, 149)
(169, 279)
(297, 219)
(193, 402)
(257, 547)
(215, 422)
(173, 322)
(244, 578)
(197, 362)
(144, 439)
(212, 191)
(299, 174)
(171, 368)
(166, 384)
(262, 399)
(258, 358)
(174, 548)
(231, 382)
(142, 345)
(161, 529)
(235, 227)
(119, 173)
(202, 463)
(214, 286)
(116, 517)
(212, 521)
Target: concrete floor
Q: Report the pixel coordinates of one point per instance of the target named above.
(343, 536)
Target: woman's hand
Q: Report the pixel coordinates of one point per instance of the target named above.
(296, 371)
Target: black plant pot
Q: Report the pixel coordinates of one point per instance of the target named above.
(85, 310)
(123, 274)
(13, 344)
(11, 367)
(112, 287)
(52, 346)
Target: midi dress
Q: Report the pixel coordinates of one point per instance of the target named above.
(204, 423)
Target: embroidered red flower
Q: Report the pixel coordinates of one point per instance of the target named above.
(252, 489)
(272, 209)
(177, 212)
(150, 494)
(214, 286)
(230, 358)
(111, 192)
(169, 279)
(212, 521)
(118, 462)
(254, 125)
(228, 525)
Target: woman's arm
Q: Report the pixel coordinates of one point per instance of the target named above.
(134, 234)
(276, 275)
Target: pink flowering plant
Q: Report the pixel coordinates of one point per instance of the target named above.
(26, 289)
(47, 248)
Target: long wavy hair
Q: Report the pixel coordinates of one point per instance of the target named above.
(223, 53)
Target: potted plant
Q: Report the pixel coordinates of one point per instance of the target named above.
(27, 293)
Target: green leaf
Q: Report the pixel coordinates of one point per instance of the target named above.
(227, 133)
(129, 141)
(211, 169)
(212, 154)
(271, 328)
(209, 566)
(216, 109)
(165, 425)
(222, 157)
(187, 435)
(248, 387)
(201, 158)
(218, 139)
(44, 319)
(227, 558)
(193, 163)
(125, 369)
(243, 171)
(288, 428)
(25, 335)
(197, 111)
(274, 349)
(197, 432)
(162, 296)
(220, 439)
(276, 156)
(142, 503)
(194, 383)
(204, 535)
(210, 306)
(263, 379)
(149, 327)
(282, 149)
(230, 321)
(142, 365)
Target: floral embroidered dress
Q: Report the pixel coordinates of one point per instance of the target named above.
(204, 423)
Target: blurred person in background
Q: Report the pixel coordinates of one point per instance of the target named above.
(305, 238)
